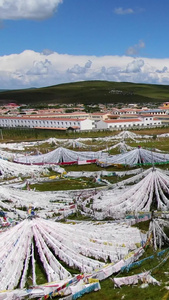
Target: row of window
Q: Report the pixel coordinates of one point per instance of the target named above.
(129, 125)
(39, 122)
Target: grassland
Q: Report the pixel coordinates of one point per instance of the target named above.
(159, 268)
(28, 134)
(107, 292)
(88, 92)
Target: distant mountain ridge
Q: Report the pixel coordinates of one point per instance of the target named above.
(88, 92)
(3, 90)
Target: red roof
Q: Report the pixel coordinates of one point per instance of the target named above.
(99, 114)
(128, 109)
(37, 118)
(122, 120)
(51, 128)
(49, 113)
(146, 115)
(164, 107)
(12, 104)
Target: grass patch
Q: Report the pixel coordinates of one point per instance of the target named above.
(65, 184)
(78, 217)
(142, 225)
(94, 168)
(135, 292)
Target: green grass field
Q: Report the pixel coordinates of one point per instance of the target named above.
(88, 92)
(26, 134)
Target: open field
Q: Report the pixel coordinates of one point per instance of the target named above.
(26, 134)
(88, 92)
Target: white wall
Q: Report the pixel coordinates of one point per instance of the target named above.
(87, 124)
(118, 125)
(101, 125)
(56, 123)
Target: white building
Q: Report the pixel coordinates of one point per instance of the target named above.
(128, 123)
(46, 123)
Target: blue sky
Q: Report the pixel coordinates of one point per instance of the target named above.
(47, 42)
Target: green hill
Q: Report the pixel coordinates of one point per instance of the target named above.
(88, 92)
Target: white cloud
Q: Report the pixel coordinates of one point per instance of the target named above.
(27, 9)
(134, 50)
(164, 70)
(123, 11)
(88, 64)
(135, 66)
(80, 70)
(39, 68)
(31, 68)
(47, 52)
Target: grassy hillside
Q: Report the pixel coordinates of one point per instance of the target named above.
(90, 92)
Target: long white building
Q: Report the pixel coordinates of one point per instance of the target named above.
(46, 123)
(128, 123)
(77, 124)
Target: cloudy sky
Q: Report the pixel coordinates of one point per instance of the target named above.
(47, 42)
